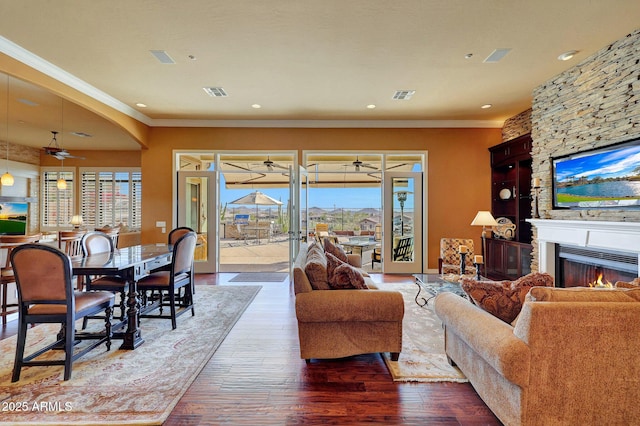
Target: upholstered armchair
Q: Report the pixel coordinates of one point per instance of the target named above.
(449, 260)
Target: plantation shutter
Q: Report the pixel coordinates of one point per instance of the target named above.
(57, 204)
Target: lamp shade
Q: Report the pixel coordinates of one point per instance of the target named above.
(7, 179)
(61, 184)
(76, 220)
(484, 218)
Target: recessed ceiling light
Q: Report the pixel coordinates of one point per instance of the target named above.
(485, 106)
(256, 106)
(141, 105)
(468, 56)
(371, 106)
(567, 55)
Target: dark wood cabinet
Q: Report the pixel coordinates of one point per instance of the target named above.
(507, 260)
(511, 199)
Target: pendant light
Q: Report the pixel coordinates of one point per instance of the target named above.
(61, 183)
(7, 178)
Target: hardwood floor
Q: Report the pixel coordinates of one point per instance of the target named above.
(256, 377)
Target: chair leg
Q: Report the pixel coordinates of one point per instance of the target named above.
(123, 299)
(108, 313)
(69, 339)
(172, 306)
(17, 364)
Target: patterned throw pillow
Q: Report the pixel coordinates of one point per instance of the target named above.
(504, 299)
(343, 276)
(335, 250)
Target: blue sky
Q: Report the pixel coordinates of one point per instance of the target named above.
(327, 198)
(615, 163)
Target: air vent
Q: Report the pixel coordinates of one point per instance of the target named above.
(162, 56)
(215, 92)
(81, 134)
(403, 95)
(496, 56)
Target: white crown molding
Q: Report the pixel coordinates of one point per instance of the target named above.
(20, 54)
(346, 124)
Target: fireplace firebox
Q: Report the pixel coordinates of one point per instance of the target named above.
(579, 267)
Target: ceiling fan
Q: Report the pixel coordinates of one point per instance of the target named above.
(56, 151)
(357, 164)
(270, 165)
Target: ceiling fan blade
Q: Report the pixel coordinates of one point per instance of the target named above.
(369, 166)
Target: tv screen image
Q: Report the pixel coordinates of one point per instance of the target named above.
(602, 178)
(13, 218)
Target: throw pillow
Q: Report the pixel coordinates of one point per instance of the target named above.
(343, 276)
(316, 269)
(633, 284)
(335, 250)
(504, 299)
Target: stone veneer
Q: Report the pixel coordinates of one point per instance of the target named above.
(517, 125)
(594, 104)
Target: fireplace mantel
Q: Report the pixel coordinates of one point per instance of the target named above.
(616, 236)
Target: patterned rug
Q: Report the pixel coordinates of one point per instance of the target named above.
(122, 387)
(422, 358)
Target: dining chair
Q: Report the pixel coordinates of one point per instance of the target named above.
(7, 278)
(176, 233)
(70, 242)
(178, 277)
(46, 295)
(112, 232)
(95, 242)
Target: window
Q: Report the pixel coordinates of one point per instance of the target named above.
(111, 197)
(57, 204)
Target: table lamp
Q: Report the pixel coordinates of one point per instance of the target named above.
(484, 218)
(76, 221)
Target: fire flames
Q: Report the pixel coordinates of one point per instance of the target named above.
(600, 284)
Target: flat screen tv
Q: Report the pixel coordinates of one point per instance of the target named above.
(606, 177)
(13, 218)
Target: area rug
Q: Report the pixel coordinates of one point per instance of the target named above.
(122, 387)
(422, 358)
(259, 277)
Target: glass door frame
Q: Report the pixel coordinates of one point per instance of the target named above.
(417, 262)
(210, 264)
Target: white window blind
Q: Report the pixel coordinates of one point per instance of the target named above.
(57, 204)
(111, 198)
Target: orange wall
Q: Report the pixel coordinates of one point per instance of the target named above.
(459, 179)
(95, 159)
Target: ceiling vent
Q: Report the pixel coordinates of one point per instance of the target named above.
(215, 92)
(403, 95)
(162, 56)
(496, 56)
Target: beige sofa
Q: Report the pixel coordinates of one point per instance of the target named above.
(340, 323)
(573, 357)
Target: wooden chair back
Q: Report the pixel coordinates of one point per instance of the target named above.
(7, 244)
(70, 242)
(113, 233)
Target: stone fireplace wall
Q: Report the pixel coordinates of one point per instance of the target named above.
(594, 104)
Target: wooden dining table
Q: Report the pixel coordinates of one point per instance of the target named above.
(131, 263)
